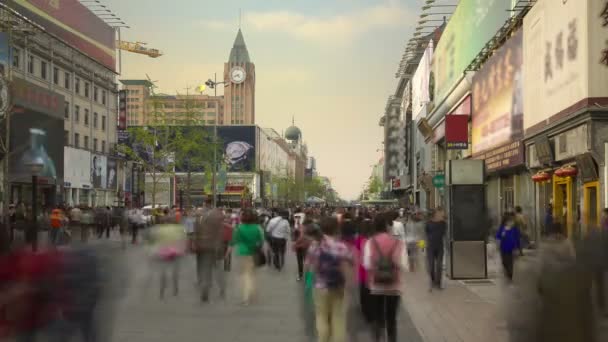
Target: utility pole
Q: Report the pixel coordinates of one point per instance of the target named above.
(217, 111)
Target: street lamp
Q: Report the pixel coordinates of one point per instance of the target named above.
(35, 165)
(213, 85)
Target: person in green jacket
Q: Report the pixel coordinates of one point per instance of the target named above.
(247, 239)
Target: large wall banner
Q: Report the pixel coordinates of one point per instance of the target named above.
(421, 82)
(472, 25)
(99, 171)
(498, 98)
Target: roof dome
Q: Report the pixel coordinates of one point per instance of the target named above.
(293, 133)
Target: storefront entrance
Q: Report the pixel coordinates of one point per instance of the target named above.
(591, 209)
(562, 204)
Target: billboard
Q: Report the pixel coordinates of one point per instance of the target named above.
(471, 26)
(122, 110)
(239, 146)
(77, 168)
(456, 132)
(112, 173)
(498, 98)
(420, 82)
(72, 22)
(564, 59)
(35, 127)
(99, 171)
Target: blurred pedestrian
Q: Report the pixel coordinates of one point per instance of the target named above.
(169, 245)
(521, 222)
(329, 261)
(279, 230)
(247, 239)
(207, 242)
(385, 257)
(509, 240)
(435, 236)
(365, 300)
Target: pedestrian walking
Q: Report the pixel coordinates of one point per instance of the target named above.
(87, 221)
(207, 243)
(521, 222)
(329, 260)
(385, 257)
(397, 227)
(435, 235)
(57, 222)
(365, 300)
(248, 239)
(137, 221)
(509, 240)
(75, 222)
(312, 236)
(279, 231)
(168, 246)
(301, 244)
(414, 229)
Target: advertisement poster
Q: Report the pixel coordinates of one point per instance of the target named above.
(98, 171)
(73, 23)
(238, 147)
(77, 163)
(111, 173)
(498, 98)
(471, 26)
(36, 123)
(420, 82)
(4, 52)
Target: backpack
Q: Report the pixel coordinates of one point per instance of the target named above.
(330, 268)
(385, 270)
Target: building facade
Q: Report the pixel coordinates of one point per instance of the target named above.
(84, 81)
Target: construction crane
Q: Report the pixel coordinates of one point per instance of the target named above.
(138, 47)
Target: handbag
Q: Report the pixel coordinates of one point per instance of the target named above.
(259, 257)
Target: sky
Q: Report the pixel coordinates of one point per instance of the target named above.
(330, 64)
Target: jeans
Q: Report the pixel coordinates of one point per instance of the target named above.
(206, 261)
(300, 255)
(166, 267)
(247, 271)
(507, 263)
(435, 264)
(330, 315)
(134, 231)
(385, 317)
(365, 300)
(278, 250)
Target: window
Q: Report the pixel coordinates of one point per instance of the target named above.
(17, 58)
(86, 142)
(76, 140)
(95, 94)
(30, 64)
(86, 89)
(95, 145)
(66, 114)
(77, 85)
(103, 122)
(103, 146)
(95, 119)
(56, 75)
(86, 117)
(43, 70)
(76, 113)
(66, 138)
(66, 80)
(103, 96)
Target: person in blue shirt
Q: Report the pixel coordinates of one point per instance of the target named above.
(509, 239)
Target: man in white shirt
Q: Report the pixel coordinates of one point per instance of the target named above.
(398, 228)
(278, 228)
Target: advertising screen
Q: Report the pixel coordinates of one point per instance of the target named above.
(238, 147)
(99, 171)
(498, 98)
(471, 26)
(72, 22)
(36, 125)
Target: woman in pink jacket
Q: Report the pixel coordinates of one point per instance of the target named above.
(384, 258)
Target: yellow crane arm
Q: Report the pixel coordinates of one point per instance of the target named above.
(139, 48)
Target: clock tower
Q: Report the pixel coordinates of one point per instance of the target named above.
(239, 93)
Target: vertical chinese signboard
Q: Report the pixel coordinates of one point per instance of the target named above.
(122, 110)
(457, 132)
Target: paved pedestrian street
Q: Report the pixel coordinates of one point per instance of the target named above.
(142, 317)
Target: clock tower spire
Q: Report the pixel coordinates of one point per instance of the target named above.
(239, 94)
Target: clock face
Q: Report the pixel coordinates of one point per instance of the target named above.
(237, 75)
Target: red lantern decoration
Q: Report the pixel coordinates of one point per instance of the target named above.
(566, 171)
(541, 176)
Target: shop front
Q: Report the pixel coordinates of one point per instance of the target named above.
(36, 122)
(566, 93)
(77, 185)
(242, 190)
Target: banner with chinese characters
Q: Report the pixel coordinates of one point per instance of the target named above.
(503, 157)
(557, 59)
(457, 132)
(498, 98)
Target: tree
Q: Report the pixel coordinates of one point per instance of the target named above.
(375, 186)
(152, 147)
